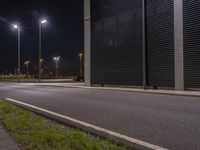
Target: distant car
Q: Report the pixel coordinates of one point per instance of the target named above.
(79, 78)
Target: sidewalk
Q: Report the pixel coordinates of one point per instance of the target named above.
(152, 91)
(6, 142)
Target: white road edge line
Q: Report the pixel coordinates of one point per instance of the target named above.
(112, 133)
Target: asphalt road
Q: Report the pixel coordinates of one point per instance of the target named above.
(171, 122)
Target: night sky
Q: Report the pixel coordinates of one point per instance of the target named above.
(62, 35)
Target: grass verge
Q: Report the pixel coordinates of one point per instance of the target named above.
(35, 132)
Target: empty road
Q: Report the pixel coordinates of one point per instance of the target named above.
(171, 122)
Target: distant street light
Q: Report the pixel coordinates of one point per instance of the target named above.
(27, 66)
(41, 22)
(57, 59)
(16, 26)
(41, 63)
(81, 59)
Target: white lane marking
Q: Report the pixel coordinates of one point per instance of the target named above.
(99, 129)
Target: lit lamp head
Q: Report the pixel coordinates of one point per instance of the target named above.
(41, 60)
(27, 62)
(57, 58)
(80, 54)
(43, 21)
(15, 26)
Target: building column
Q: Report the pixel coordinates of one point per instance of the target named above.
(87, 42)
(178, 49)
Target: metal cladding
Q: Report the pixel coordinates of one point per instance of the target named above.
(121, 29)
(192, 43)
(160, 42)
(116, 55)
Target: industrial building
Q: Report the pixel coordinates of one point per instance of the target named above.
(143, 43)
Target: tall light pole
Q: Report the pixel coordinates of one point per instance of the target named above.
(57, 59)
(41, 22)
(27, 66)
(81, 59)
(15, 26)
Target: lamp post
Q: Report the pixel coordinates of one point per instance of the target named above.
(27, 66)
(15, 26)
(81, 59)
(41, 22)
(57, 59)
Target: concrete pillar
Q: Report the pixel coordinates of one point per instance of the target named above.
(87, 42)
(178, 50)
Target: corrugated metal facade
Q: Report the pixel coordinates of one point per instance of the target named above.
(192, 43)
(116, 53)
(160, 42)
(116, 56)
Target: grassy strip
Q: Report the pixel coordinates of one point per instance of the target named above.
(34, 132)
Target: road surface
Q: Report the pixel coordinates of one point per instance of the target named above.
(171, 122)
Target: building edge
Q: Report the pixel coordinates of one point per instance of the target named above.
(178, 45)
(87, 42)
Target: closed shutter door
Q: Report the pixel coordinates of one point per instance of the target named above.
(192, 43)
(160, 43)
(116, 55)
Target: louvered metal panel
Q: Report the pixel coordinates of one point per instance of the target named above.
(116, 54)
(160, 42)
(192, 43)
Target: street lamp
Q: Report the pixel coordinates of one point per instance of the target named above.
(81, 59)
(41, 22)
(27, 66)
(57, 59)
(16, 26)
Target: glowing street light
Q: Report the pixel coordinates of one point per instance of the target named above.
(57, 59)
(27, 66)
(41, 22)
(16, 26)
(81, 59)
(41, 60)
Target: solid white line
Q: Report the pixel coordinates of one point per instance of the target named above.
(112, 133)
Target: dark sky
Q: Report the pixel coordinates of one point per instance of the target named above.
(63, 35)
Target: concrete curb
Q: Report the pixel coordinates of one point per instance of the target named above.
(105, 133)
(150, 91)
